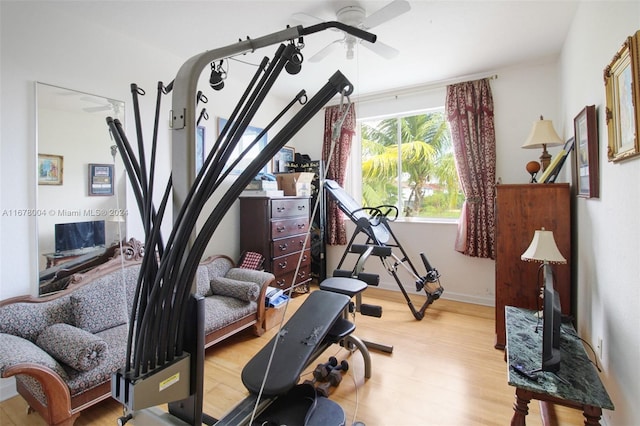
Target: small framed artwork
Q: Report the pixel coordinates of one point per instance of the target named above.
(622, 86)
(586, 139)
(100, 179)
(50, 168)
(200, 132)
(286, 155)
(245, 150)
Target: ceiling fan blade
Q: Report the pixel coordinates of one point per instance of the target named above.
(92, 99)
(325, 51)
(305, 18)
(97, 108)
(388, 12)
(381, 49)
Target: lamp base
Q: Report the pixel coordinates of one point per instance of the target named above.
(545, 158)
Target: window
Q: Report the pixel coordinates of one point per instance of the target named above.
(408, 162)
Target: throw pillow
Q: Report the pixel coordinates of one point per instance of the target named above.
(99, 308)
(77, 348)
(242, 290)
(202, 281)
(16, 350)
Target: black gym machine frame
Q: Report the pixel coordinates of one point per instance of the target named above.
(165, 350)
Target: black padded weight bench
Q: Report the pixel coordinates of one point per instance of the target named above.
(318, 323)
(381, 242)
(350, 287)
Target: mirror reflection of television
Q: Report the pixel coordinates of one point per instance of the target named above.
(79, 235)
(551, 320)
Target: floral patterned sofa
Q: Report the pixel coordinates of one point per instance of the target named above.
(63, 348)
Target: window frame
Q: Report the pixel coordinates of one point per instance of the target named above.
(354, 179)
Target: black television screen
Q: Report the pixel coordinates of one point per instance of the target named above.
(551, 319)
(79, 235)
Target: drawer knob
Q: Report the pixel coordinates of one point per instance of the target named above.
(301, 226)
(281, 228)
(280, 209)
(283, 247)
(282, 265)
(301, 208)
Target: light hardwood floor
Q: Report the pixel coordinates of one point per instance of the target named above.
(444, 370)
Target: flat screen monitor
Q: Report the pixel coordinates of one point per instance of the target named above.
(551, 320)
(79, 235)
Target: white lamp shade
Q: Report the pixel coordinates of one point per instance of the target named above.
(542, 133)
(543, 248)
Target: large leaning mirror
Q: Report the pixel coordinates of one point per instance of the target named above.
(80, 181)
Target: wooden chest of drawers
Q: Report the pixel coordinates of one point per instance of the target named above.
(277, 229)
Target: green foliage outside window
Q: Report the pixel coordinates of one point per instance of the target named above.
(418, 174)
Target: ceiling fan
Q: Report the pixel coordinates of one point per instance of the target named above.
(356, 16)
(110, 105)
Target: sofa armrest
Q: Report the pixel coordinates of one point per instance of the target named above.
(264, 280)
(54, 388)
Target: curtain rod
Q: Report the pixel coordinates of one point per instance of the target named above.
(410, 90)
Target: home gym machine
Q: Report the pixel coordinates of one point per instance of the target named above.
(165, 350)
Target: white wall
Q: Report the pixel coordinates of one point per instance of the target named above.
(607, 237)
(83, 56)
(86, 57)
(521, 94)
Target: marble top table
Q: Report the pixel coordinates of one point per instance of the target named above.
(576, 384)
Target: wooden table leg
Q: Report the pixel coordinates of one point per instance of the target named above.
(521, 407)
(592, 415)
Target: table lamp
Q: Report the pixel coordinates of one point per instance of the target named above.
(543, 249)
(543, 135)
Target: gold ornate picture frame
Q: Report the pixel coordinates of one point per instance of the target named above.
(622, 85)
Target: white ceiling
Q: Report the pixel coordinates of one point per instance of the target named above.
(438, 40)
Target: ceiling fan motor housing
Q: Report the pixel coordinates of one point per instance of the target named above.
(352, 15)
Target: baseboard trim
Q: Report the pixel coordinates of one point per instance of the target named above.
(396, 296)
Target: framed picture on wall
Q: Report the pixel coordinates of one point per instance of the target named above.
(286, 155)
(100, 179)
(586, 141)
(246, 150)
(622, 86)
(50, 168)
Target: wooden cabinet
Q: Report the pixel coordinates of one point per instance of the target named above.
(277, 228)
(519, 211)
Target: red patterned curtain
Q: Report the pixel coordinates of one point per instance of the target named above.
(470, 114)
(337, 165)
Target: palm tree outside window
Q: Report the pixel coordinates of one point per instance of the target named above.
(408, 162)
